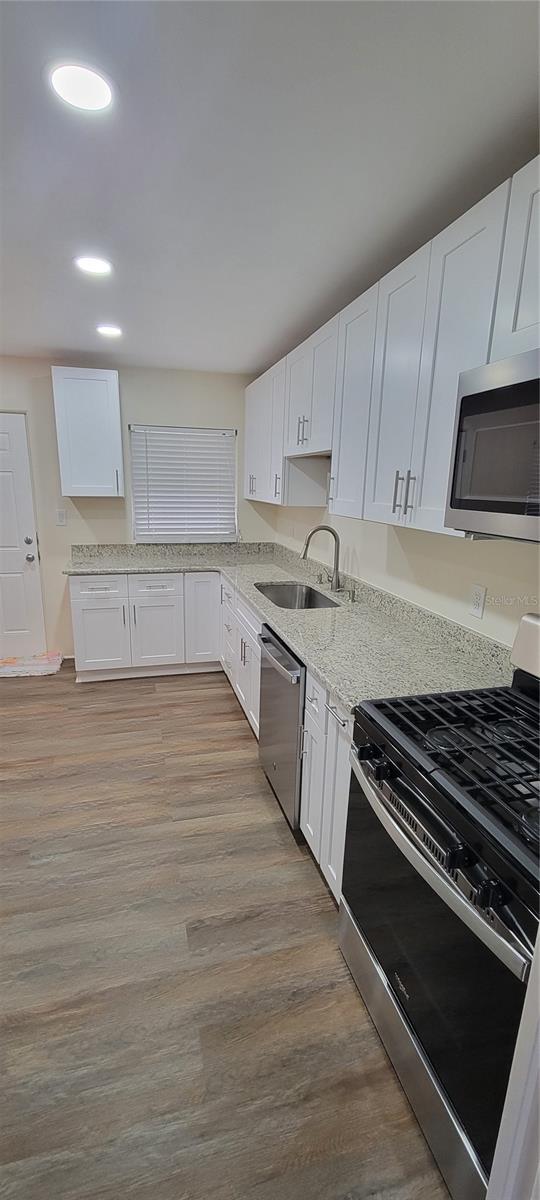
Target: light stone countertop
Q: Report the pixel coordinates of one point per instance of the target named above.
(377, 647)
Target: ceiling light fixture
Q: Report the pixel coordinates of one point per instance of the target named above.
(81, 87)
(110, 331)
(93, 266)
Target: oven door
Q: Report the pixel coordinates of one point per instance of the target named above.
(461, 997)
(494, 482)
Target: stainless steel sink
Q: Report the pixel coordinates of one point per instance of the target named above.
(295, 595)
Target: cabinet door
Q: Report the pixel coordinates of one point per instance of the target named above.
(317, 430)
(337, 777)
(463, 273)
(252, 660)
(202, 616)
(398, 346)
(258, 411)
(157, 629)
(278, 377)
(311, 794)
(298, 395)
(517, 314)
(356, 344)
(101, 634)
(250, 438)
(88, 430)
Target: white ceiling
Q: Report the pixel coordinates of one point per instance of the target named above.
(263, 163)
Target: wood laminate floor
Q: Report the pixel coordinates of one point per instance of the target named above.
(178, 1023)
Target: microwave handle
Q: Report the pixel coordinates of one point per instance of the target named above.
(518, 962)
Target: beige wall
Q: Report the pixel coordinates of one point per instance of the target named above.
(147, 395)
(433, 570)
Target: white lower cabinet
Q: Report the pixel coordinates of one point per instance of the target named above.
(140, 622)
(240, 654)
(156, 610)
(101, 633)
(202, 617)
(337, 777)
(312, 791)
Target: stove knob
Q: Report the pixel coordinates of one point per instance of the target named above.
(381, 771)
(365, 753)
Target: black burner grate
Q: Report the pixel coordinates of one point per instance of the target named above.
(485, 742)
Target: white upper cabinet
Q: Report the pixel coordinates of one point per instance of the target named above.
(258, 420)
(88, 430)
(463, 273)
(310, 389)
(356, 343)
(398, 346)
(517, 315)
(277, 379)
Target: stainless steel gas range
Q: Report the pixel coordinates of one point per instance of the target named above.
(439, 913)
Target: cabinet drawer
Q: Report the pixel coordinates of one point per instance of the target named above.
(250, 619)
(83, 587)
(316, 701)
(158, 585)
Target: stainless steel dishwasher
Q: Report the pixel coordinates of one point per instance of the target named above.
(283, 685)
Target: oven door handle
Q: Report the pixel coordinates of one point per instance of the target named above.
(517, 961)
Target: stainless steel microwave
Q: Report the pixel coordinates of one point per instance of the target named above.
(494, 486)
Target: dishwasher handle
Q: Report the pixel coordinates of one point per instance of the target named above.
(265, 643)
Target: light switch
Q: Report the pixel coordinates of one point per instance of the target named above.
(61, 516)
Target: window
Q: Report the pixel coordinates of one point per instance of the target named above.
(183, 484)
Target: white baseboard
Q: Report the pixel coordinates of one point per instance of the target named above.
(148, 672)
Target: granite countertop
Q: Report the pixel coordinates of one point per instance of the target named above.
(379, 646)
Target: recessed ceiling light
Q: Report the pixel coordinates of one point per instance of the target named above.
(111, 331)
(81, 87)
(93, 266)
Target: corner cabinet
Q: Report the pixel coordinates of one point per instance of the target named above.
(517, 316)
(88, 431)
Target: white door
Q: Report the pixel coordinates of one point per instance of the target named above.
(278, 375)
(202, 616)
(88, 430)
(157, 630)
(463, 274)
(298, 395)
(318, 426)
(101, 633)
(398, 346)
(356, 344)
(311, 794)
(517, 315)
(337, 778)
(22, 628)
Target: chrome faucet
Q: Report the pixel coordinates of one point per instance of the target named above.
(334, 582)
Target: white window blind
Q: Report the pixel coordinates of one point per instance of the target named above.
(183, 484)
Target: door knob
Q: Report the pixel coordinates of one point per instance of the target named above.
(30, 557)
(28, 541)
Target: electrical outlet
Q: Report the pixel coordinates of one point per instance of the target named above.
(61, 516)
(478, 599)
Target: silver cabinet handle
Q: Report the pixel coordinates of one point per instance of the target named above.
(117, 482)
(277, 490)
(305, 421)
(410, 479)
(330, 708)
(254, 485)
(30, 557)
(221, 593)
(517, 960)
(298, 432)
(124, 613)
(228, 627)
(303, 750)
(134, 614)
(397, 480)
(313, 700)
